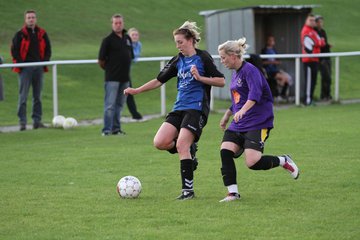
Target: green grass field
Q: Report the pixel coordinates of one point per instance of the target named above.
(58, 184)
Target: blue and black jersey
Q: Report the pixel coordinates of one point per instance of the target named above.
(192, 94)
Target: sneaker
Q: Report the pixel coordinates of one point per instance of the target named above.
(39, 125)
(119, 132)
(104, 134)
(22, 127)
(231, 197)
(193, 150)
(291, 167)
(186, 195)
(137, 116)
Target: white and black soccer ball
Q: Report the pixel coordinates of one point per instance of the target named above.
(129, 187)
(70, 123)
(58, 121)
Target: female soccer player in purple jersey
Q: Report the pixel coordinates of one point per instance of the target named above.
(196, 73)
(253, 117)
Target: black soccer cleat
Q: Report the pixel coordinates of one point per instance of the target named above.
(186, 195)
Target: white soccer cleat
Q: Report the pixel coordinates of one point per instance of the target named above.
(231, 197)
(291, 167)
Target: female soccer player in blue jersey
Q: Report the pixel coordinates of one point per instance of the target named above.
(196, 73)
(252, 110)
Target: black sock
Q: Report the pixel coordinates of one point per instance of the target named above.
(266, 162)
(187, 174)
(228, 168)
(173, 150)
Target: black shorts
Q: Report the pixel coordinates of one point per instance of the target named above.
(252, 139)
(192, 120)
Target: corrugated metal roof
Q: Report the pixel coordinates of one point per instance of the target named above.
(207, 13)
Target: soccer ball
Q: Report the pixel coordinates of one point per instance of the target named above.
(58, 121)
(70, 123)
(129, 187)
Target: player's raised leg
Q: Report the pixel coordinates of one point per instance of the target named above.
(255, 161)
(165, 137)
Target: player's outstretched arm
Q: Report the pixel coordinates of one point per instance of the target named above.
(152, 84)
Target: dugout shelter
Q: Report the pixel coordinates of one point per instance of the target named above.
(255, 23)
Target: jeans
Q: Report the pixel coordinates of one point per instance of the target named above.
(30, 76)
(113, 105)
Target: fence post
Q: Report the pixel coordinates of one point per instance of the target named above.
(337, 79)
(55, 90)
(297, 81)
(212, 99)
(163, 92)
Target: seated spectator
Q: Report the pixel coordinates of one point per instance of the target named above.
(284, 82)
(271, 64)
(279, 80)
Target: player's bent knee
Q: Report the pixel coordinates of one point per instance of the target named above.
(251, 166)
(160, 145)
(251, 158)
(250, 163)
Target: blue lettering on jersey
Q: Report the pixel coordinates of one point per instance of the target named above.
(184, 78)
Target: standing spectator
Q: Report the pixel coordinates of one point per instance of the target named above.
(311, 43)
(325, 62)
(115, 56)
(30, 44)
(136, 44)
(196, 73)
(253, 117)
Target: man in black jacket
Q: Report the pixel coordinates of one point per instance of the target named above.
(115, 56)
(325, 62)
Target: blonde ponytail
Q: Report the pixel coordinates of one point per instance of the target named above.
(236, 47)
